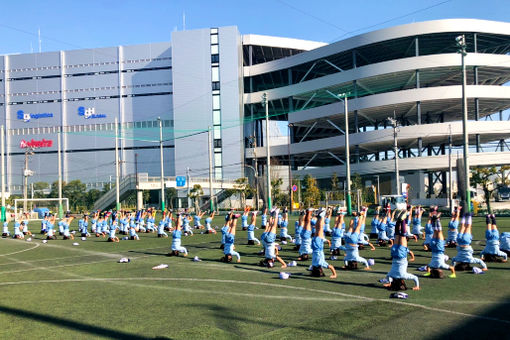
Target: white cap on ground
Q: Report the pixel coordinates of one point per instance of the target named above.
(371, 262)
(284, 276)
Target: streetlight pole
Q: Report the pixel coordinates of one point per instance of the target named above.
(2, 136)
(268, 155)
(450, 179)
(393, 122)
(461, 44)
(161, 164)
(291, 194)
(59, 155)
(211, 193)
(117, 189)
(255, 173)
(347, 186)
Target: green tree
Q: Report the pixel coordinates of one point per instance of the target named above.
(39, 188)
(91, 197)
(75, 191)
(485, 177)
(243, 187)
(336, 193)
(280, 198)
(311, 193)
(171, 195)
(195, 193)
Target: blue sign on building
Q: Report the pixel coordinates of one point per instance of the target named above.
(89, 113)
(180, 181)
(26, 117)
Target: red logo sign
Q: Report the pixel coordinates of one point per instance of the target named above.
(44, 143)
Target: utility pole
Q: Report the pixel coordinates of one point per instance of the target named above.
(26, 173)
(189, 190)
(2, 143)
(59, 152)
(290, 169)
(268, 155)
(450, 179)
(393, 122)
(461, 44)
(117, 181)
(256, 174)
(348, 200)
(161, 164)
(211, 193)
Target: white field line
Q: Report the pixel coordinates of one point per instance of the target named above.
(355, 297)
(21, 251)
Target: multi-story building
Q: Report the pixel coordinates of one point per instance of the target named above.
(411, 73)
(214, 79)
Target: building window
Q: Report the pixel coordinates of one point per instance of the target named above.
(217, 159)
(215, 74)
(215, 58)
(217, 143)
(215, 49)
(216, 117)
(217, 132)
(215, 85)
(214, 39)
(216, 102)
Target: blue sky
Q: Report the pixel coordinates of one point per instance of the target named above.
(92, 23)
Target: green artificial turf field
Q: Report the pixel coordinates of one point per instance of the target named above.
(57, 290)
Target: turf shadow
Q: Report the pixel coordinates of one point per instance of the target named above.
(70, 324)
(482, 328)
(224, 317)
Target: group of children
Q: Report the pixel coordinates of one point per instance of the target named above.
(392, 228)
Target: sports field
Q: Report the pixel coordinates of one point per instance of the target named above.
(60, 291)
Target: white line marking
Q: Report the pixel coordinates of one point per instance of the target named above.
(21, 251)
(355, 297)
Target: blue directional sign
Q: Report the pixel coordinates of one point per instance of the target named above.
(180, 181)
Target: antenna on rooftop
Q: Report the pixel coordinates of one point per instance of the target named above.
(39, 36)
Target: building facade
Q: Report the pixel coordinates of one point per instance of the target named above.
(214, 80)
(411, 73)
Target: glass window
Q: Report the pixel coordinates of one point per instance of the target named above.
(217, 132)
(216, 117)
(215, 49)
(218, 173)
(214, 39)
(215, 73)
(217, 143)
(215, 58)
(215, 85)
(216, 102)
(214, 30)
(217, 159)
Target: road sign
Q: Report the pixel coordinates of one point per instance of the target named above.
(294, 188)
(180, 181)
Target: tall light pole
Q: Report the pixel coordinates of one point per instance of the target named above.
(59, 156)
(348, 200)
(347, 155)
(268, 155)
(393, 122)
(450, 179)
(161, 164)
(211, 193)
(2, 142)
(255, 173)
(290, 169)
(461, 44)
(117, 181)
